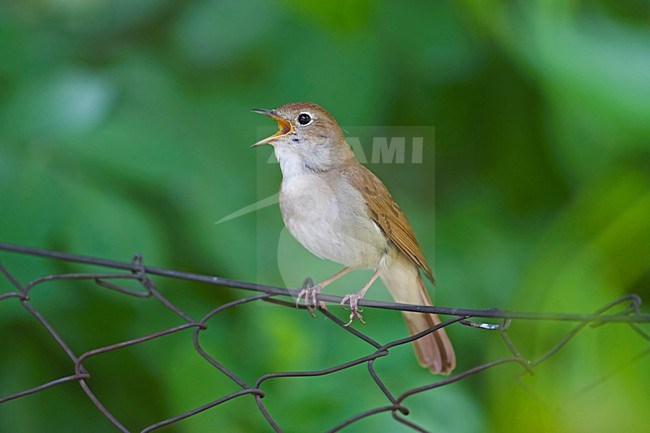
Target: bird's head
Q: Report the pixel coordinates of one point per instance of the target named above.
(306, 131)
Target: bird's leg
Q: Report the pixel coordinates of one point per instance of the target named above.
(310, 293)
(353, 299)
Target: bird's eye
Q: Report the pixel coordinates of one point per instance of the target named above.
(304, 118)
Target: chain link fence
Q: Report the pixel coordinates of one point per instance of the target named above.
(624, 310)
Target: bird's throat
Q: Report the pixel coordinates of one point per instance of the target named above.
(300, 162)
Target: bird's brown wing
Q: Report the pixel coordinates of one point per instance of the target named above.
(387, 215)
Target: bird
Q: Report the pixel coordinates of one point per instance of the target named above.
(340, 211)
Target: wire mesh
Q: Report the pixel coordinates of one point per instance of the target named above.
(395, 404)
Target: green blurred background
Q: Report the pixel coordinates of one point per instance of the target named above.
(125, 126)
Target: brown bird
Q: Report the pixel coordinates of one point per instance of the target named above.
(340, 211)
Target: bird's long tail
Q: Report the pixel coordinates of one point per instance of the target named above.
(404, 283)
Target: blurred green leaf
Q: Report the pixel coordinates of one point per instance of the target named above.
(209, 33)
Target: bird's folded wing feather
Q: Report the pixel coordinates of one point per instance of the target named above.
(387, 215)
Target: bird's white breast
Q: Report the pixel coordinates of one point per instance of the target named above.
(329, 217)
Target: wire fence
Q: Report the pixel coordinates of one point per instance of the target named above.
(396, 404)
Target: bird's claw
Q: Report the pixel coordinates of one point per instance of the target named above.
(353, 299)
(310, 299)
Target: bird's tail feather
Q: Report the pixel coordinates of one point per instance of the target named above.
(434, 350)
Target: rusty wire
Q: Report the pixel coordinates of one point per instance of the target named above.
(395, 404)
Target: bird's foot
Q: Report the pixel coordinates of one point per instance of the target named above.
(353, 299)
(310, 292)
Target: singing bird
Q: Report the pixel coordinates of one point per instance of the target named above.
(340, 211)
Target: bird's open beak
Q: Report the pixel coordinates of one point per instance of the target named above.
(284, 126)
